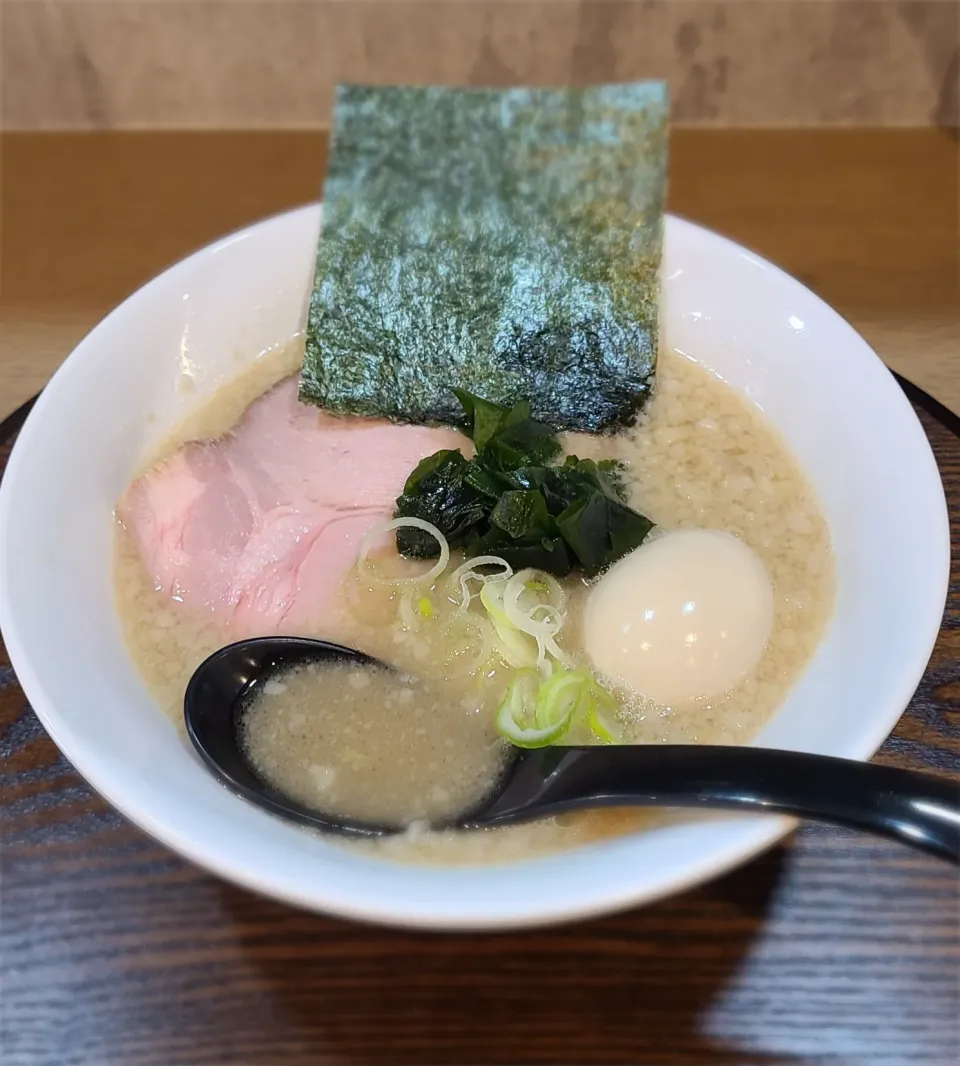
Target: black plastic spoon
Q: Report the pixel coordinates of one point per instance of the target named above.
(917, 809)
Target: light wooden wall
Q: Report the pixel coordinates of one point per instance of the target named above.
(268, 63)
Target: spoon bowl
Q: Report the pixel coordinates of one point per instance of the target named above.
(919, 810)
(214, 703)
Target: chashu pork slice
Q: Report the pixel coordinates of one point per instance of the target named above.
(258, 528)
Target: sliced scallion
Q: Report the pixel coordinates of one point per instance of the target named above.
(517, 715)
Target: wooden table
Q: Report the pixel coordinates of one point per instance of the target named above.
(868, 219)
(831, 949)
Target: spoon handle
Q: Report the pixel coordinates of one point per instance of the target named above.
(917, 809)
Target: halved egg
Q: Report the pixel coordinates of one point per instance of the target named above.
(686, 615)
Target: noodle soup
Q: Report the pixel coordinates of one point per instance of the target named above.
(701, 458)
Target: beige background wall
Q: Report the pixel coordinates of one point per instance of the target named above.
(265, 63)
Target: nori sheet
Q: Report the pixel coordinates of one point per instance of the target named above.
(503, 241)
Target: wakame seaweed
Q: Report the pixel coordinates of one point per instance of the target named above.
(512, 500)
(506, 242)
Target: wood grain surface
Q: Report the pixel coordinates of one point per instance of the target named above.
(868, 218)
(830, 949)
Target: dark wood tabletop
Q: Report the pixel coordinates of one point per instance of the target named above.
(830, 949)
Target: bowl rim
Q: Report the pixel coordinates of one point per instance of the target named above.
(757, 833)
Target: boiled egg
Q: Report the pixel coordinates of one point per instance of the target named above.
(684, 616)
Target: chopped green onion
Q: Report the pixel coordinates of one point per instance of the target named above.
(524, 615)
(406, 523)
(518, 717)
(491, 596)
(516, 648)
(535, 714)
(561, 696)
(521, 617)
(601, 714)
(472, 570)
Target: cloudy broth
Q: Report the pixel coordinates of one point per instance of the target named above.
(374, 745)
(702, 457)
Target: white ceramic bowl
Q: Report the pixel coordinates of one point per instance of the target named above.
(176, 340)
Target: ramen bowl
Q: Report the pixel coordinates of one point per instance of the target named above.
(173, 343)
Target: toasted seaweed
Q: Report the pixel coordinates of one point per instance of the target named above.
(506, 242)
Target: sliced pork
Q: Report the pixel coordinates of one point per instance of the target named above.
(259, 527)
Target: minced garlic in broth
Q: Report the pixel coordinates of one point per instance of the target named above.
(702, 457)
